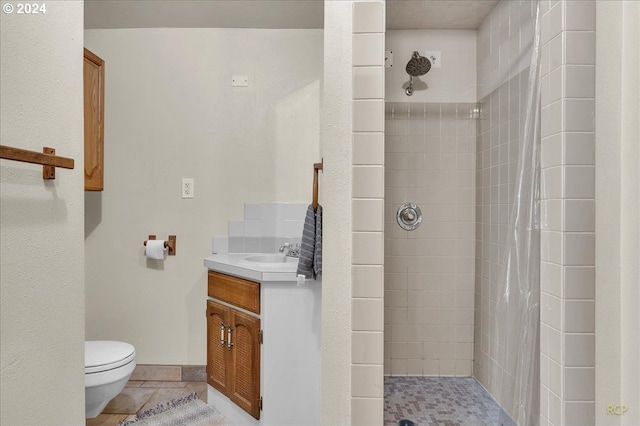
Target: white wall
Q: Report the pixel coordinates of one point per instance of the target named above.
(454, 82)
(335, 189)
(171, 113)
(41, 254)
(618, 198)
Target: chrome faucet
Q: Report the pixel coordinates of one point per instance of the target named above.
(292, 250)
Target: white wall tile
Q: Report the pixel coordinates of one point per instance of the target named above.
(369, 17)
(368, 182)
(551, 183)
(579, 413)
(579, 182)
(579, 249)
(368, 49)
(555, 409)
(367, 315)
(556, 20)
(551, 246)
(579, 384)
(366, 411)
(551, 152)
(579, 215)
(366, 381)
(368, 82)
(555, 344)
(551, 311)
(579, 282)
(555, 377)
(580, 47)
(579, 115)
(368, 149)
(368, 115)
(367, 348)
(253, 228)
(556, 52)
(579, 148)
(368, 248)
(236, 228)
(579, 316)
(252, 211)
(579, 349)
(368, 215)
(580, 79)
(580, 15)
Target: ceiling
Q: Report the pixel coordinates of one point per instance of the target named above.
(437, 14)
(401, 14)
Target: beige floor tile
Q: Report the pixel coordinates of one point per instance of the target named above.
(134, 383)
(200, 388)
(129, 401)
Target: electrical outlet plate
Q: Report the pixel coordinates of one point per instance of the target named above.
(240, 80)
(187, 188)
(435, 56)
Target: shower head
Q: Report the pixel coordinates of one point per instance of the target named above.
(417, 66)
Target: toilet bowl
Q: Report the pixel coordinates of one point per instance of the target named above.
(107, 368)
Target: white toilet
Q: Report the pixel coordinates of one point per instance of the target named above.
(107, 367)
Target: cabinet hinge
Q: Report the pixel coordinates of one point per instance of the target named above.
(260, 403)
(260, 337)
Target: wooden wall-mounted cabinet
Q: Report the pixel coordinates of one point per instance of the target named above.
(93, 122)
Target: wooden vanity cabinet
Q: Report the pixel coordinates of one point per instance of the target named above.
(233, 340)
(93, 76)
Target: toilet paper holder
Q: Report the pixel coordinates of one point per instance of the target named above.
(170, 243)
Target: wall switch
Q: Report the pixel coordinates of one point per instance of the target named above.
(240, 80)
(435, 57)
(187, 188)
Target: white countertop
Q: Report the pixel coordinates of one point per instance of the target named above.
(236, 264)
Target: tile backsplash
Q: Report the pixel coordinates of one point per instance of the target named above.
(264, 228)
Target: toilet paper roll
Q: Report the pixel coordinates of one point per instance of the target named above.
(155, 249)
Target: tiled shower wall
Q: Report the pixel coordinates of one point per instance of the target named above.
(504, 52)
(498, 148)
(567, 272)
(429, 272)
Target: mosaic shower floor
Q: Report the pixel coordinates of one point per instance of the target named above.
(448, 401)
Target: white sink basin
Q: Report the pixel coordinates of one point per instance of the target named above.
(270, 258)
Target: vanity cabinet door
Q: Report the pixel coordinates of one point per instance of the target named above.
(245, 360)
(217, 324)
(233, 355)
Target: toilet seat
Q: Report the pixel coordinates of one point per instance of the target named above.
(104, 355)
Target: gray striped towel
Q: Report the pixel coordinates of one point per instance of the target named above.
(317, 254)
(310, 261)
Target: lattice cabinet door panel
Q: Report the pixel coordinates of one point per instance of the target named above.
(218, 321)
(245, 362)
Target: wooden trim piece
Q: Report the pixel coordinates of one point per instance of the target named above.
(316, 167)
(34, 157)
